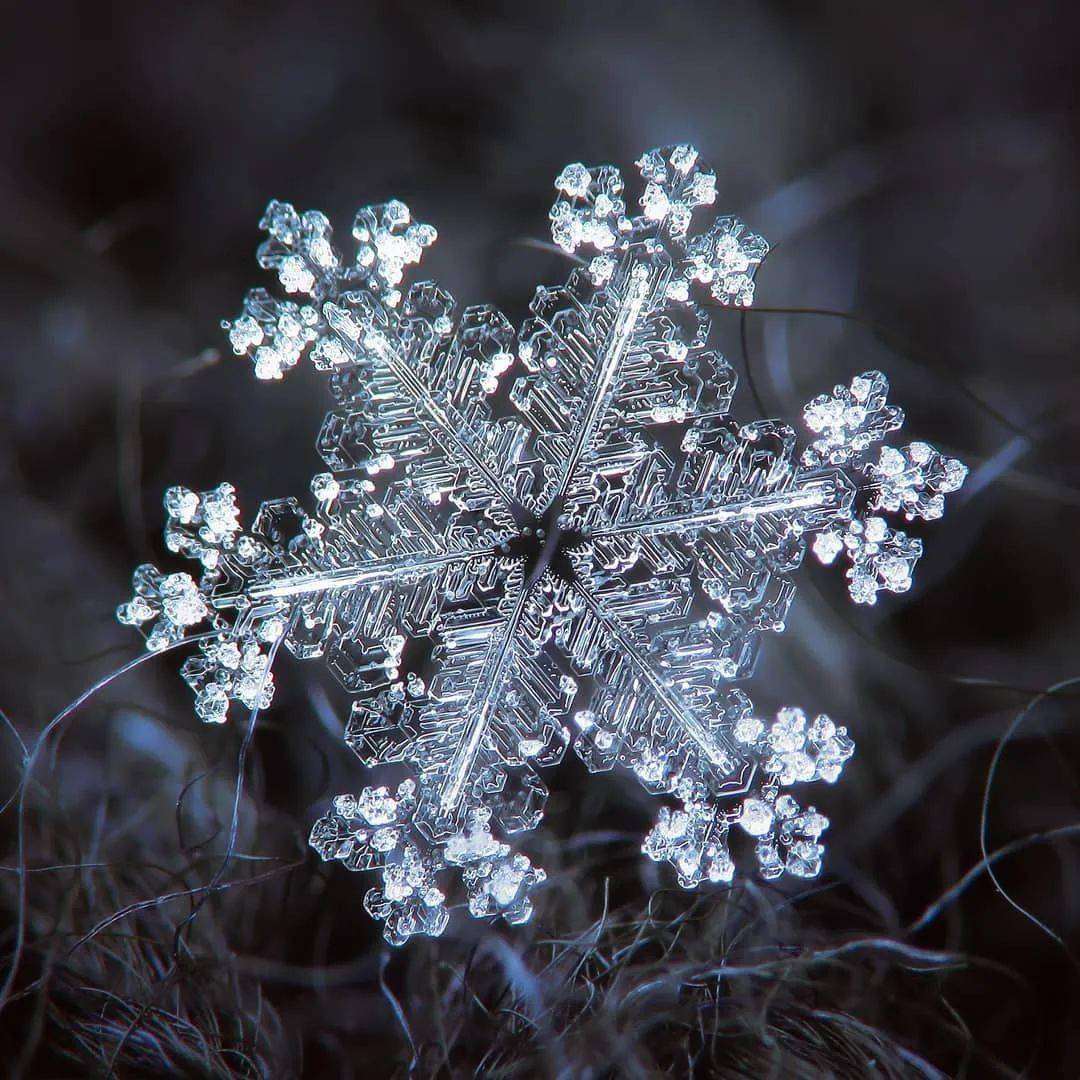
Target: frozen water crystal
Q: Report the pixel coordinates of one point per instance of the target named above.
(527, 539)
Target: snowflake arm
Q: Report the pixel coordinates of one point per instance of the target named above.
(398, 357)
(640, 671)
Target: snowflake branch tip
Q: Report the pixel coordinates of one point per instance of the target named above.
(695, 837)
(914, 480)
(591, 211)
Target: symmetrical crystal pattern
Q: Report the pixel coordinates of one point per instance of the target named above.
(526, 540)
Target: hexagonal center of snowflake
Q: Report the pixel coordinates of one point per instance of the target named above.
(543, 543)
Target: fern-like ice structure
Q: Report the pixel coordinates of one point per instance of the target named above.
(528, 539)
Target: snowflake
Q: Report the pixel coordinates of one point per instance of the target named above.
(529, 539)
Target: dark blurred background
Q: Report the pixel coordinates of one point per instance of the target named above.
(915, 167)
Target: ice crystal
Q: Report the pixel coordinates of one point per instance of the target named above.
(529, 539)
